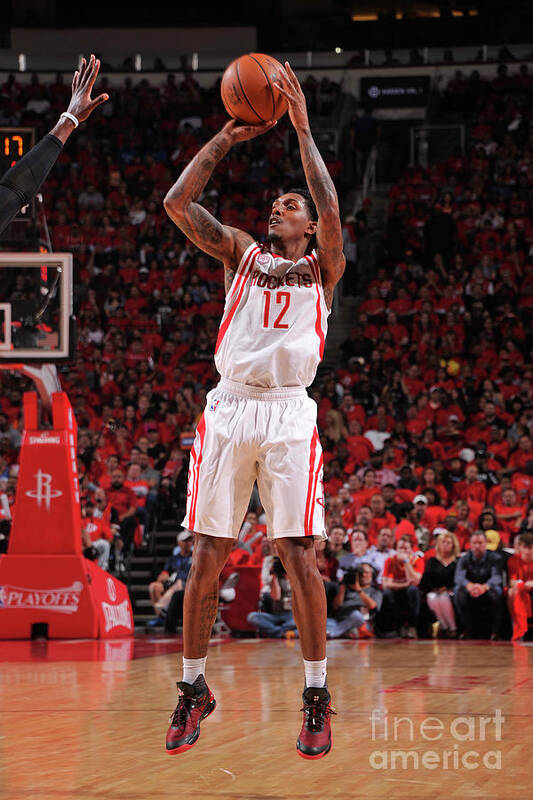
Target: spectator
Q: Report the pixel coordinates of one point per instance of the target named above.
(10, 438)
(478, 588)
(280, 622)
(520, 574)
(389, 497)
(123, 504)
(336, 539)
(380, 552)
(5, 515)
(96, 533)
(139, 487)
(409, 516)
(471, 488)
(327, 566)
(438, 582)
(355, 604)
(401, 578)
(509, 512)
(149, 474)
(358, 552)
(171, 581)
(380, 517)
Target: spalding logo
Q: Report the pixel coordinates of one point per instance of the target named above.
(235, 94)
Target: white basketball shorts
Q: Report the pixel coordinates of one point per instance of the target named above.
(248, 434)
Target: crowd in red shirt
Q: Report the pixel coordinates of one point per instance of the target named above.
(433, 392)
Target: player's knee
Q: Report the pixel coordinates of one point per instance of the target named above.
(299, 560)
(209, 556)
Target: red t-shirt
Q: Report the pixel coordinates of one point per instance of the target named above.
(508, 527)
(522, 484)
(433, 516)
(388, 520)
(360, 448)
(476, 491)
(519, 459)
(406, 528)
(140, 489)
(395, 569)
(519, 570)
(96, 527)
(122, 499)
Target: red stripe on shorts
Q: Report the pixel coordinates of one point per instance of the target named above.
(247, 266)
(312, 452)
(196, 472)
(313, 499)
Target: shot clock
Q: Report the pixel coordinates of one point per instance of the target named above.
(15, 143)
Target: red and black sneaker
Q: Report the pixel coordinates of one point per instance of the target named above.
(195, 703)
(314, 740)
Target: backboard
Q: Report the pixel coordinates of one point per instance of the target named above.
(36, 322)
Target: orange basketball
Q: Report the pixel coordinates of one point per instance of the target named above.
(248, 90)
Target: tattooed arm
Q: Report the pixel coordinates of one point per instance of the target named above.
(329, 232)
(181, 203)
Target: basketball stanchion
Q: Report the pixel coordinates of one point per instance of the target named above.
(45, 582)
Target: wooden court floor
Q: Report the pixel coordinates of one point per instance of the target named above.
(95, 729)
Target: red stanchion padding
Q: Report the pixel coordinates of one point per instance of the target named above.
(71, 595)
(44, 578)
(115, 616)
(52, 590)
(46, 515)
(31, 411)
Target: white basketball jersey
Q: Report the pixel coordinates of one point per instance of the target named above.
(275, 321)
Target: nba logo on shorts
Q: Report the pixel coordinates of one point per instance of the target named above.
(214, 404)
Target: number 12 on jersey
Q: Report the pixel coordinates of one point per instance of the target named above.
(282, 299)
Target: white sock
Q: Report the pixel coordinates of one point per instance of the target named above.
(315, 672)
(192, 667)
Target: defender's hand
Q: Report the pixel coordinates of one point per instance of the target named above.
(81, 103)
(241, 133)
(290, 89)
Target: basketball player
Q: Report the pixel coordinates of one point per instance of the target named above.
(22, 182)
(259, 422)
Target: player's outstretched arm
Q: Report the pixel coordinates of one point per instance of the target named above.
(197, 223)
(81, 103)
(22, 182)
(321, 186)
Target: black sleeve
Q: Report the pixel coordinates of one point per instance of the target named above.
(427, 582)
(20, 183)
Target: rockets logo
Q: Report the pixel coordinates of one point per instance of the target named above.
(44, 492)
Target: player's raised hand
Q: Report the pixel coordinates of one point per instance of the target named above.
(81, 104)
(290, 88)
(241, 133)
